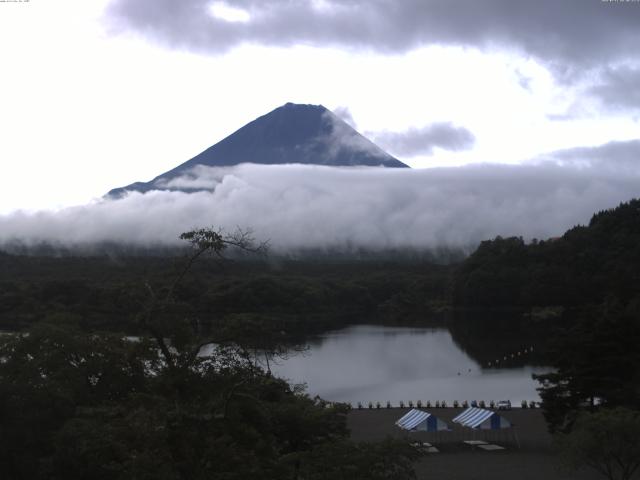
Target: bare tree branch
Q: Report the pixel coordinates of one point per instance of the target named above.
(203, 241)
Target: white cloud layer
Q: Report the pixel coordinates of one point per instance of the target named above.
(296, 206)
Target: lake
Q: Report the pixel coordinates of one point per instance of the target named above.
(376, 363)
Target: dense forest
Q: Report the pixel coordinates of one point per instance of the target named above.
(584, 266)
(80, 405)
(296, 296)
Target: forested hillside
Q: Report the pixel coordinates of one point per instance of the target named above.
(584, 266)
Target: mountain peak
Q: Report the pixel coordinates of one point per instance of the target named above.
(301, 106)
(292, 133)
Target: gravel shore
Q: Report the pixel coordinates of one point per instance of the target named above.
(528, 453)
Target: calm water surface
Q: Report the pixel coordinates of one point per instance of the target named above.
(374, 363)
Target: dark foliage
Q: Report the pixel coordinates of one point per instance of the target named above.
(584, 266)
(85, 405)
(607, 441)
(295, 297)
(597, 364)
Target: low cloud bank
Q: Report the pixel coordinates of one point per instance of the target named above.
(300, 206)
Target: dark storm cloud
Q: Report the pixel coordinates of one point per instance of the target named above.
(567, 34)
(422, 141)
(303, 206)
(619, 87)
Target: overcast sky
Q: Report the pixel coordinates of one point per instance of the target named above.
(97, 94)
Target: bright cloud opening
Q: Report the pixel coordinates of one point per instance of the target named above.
(226, 12)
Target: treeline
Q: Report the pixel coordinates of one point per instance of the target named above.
(584, 266)
(298, 297)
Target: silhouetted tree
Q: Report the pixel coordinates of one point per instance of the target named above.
(597, 363)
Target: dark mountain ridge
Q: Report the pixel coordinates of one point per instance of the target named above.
(292, 133)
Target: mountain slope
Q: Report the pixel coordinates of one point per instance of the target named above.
(292, 133)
